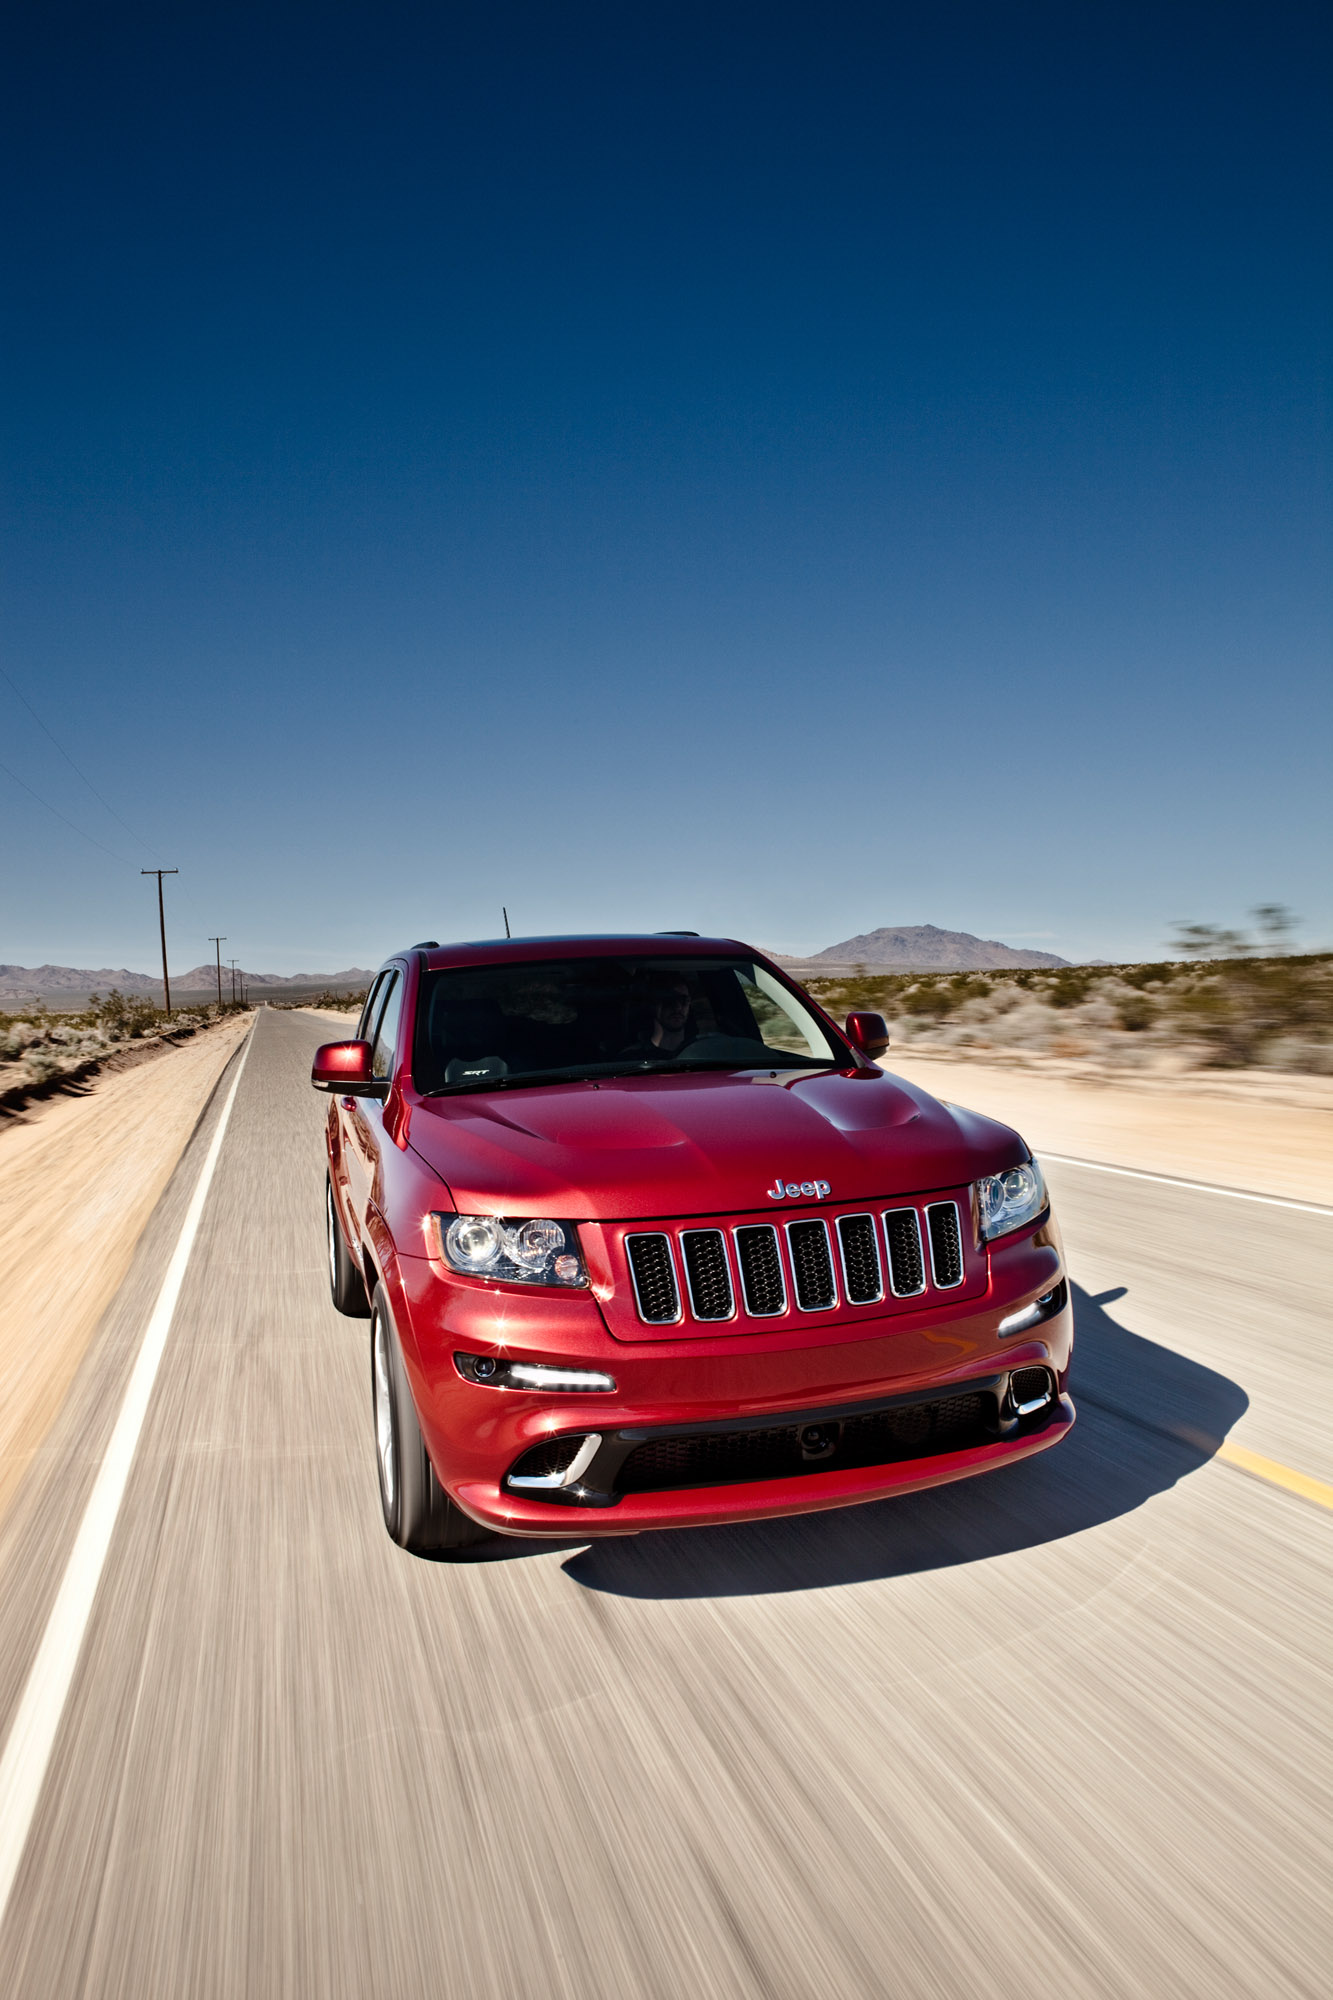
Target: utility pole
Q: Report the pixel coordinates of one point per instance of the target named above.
(219, 942)
(162, 926)
(233, 982)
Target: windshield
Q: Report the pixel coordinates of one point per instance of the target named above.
(489, 1027)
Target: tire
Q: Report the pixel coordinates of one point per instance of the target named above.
(346, 1284)
(418, 1513)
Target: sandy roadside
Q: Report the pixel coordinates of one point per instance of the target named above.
(1221, 1133)
(77, 1186)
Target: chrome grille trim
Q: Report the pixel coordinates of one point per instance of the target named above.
(760, 1228)
(659, 1236)
(812, 1222)
(944, 1209)
(717, 1236)
(904, 1291)
(847, 1280)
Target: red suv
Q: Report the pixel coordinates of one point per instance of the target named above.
(647, 1241)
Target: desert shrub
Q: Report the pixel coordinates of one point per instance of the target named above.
(933, 1002)
(1136, 1012)
(126, 1019)
(1070, 986)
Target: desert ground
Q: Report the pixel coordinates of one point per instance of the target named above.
(79, 1177)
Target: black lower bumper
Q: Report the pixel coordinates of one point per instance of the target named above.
(841, 1437)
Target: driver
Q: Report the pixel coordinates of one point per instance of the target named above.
(668, 1025)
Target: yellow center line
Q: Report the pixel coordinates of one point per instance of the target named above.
(1277, 1475)
(1210, 1446)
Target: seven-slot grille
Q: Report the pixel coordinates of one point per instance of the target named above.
(654, 1277)
(862, 1280)
(812, 1265)
(907, 1267)
(763, 1282)
(946, 1244)
(761, 1270)
(707, 1273)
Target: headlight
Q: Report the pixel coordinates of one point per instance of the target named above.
(516, 1250)
(1006, 1201)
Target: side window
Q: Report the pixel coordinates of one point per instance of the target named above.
(373, 998)
(386, 1034)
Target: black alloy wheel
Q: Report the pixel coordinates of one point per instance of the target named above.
(345, 1281)
(418, 1513)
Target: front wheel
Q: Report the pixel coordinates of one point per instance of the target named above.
(418, 1513)
(345, 1282)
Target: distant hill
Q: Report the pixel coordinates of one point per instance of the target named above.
(70, 985)
(919, 948)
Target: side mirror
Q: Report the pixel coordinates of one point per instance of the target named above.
(345, 1067)
(869, 1033)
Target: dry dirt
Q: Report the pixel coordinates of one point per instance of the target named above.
(79, 1178)
(1272, 1135)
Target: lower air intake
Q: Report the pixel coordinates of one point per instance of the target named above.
(552, 1455)
(729, 1458)
(1031, 1391)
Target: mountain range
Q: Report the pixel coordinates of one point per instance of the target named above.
(918, 948)
(70, 985)
(896, 948)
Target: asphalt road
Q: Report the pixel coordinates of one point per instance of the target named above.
(1060, 1731)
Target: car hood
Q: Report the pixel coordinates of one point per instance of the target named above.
(627, 1149)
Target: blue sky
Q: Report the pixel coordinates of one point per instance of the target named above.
(768, 470)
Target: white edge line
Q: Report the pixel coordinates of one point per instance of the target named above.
(32, 1734)
(1172, 1180)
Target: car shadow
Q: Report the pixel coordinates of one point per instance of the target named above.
(1147, 1417)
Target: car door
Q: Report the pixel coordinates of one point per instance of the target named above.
(365, 1115)
(342, 1149)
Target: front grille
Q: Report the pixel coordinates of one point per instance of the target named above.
(727, 1458)
(946, 1244)
(812, 1266)
(761, 1270)
(654, 1278)
(704, 1273)
(861, 1278)
(707, 1274)
(907, 1269)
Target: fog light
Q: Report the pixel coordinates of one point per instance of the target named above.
(496, 1374)
(1031, 1315)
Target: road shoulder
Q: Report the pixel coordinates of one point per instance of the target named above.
(1282, 1149)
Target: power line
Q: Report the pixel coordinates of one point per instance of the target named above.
(61, 816)
(137, 838)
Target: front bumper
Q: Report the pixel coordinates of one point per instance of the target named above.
(845, 1373)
